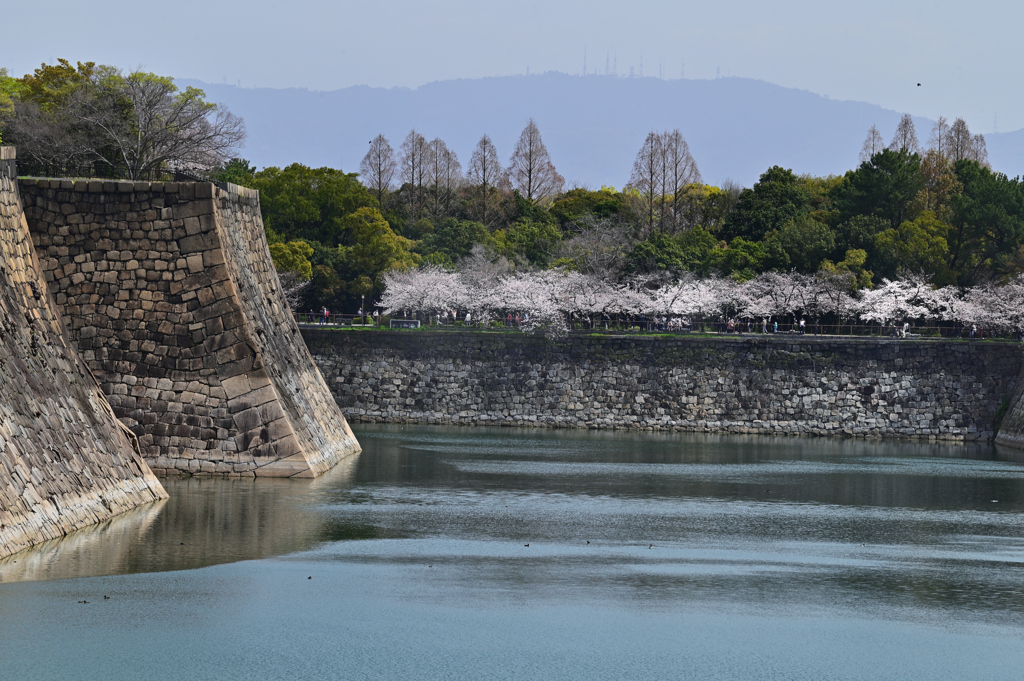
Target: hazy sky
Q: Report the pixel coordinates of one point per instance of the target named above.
(965, 55)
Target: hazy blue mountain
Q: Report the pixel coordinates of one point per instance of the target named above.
(593, 125)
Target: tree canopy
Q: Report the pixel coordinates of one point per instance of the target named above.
(100, 120)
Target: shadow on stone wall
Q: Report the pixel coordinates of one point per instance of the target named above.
(65, 460)
(170, 295)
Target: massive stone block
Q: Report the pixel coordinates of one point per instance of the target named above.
(170, 295)
(65, 460)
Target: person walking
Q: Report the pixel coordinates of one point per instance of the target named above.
(803, 326)
(775, 327)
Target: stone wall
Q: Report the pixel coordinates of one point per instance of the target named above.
(170, 295)
(1011, 430)
(747, 384)
(65, 461)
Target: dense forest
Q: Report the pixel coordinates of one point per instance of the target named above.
(934, 212)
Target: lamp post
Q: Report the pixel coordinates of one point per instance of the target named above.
(362, 308)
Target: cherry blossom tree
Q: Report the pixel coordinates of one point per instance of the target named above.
(548, 299)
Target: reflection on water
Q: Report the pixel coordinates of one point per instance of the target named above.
(206, 521)
(656, 519)
(536, 554)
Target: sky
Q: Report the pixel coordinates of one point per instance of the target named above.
(965, 55)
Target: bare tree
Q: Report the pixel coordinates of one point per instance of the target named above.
(680, 172)
(444, 174)
(960, 145)
(905, 138)
(872, 145)
(483, 268)
(980, 150)
(530, 170)
(485, 173)
(136, 124)
(939, 140)
(413, 170)
(599, 248)
(165, 127)
(48, 139)
(379, 167)
(646, 181)
(294, 288)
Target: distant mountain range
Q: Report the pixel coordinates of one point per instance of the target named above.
(592, 125)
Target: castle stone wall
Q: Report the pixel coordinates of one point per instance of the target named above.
(1011, 430)
(169, 293)
(746, 384)
(65, 460)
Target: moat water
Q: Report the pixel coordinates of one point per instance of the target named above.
(443, 553)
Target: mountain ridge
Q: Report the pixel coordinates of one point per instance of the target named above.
(592, 125)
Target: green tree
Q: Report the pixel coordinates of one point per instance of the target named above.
(454, 239)
(885, 186)
(741, 259)
(236, 171)
(135, 123)
(703, 205)
(917, 246)
(987, 223)
(774, 200)
(10, 89)
(858, 233)
(576, 205)
(375, 248)
(849, 273)
(807, 242)
(535, 241)
(660, 252)
(327, 285)
(293, 257)
(50, 86)
(311, 204)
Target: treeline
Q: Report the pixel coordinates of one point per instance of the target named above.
(553, 299)
(936, 211)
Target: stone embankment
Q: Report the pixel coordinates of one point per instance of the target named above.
(65, 460)
(931, 390)
(169, 293)
(1011, 429)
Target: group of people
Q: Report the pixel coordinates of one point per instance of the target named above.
(737, 326)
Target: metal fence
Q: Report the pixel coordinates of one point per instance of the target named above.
(653, 325)
(102, 171)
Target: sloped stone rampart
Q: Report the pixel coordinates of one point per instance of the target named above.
(65, 460)
(1011, 429)
(749, 384)
(169, 293)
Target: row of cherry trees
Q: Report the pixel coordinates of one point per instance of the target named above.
(550, 298)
